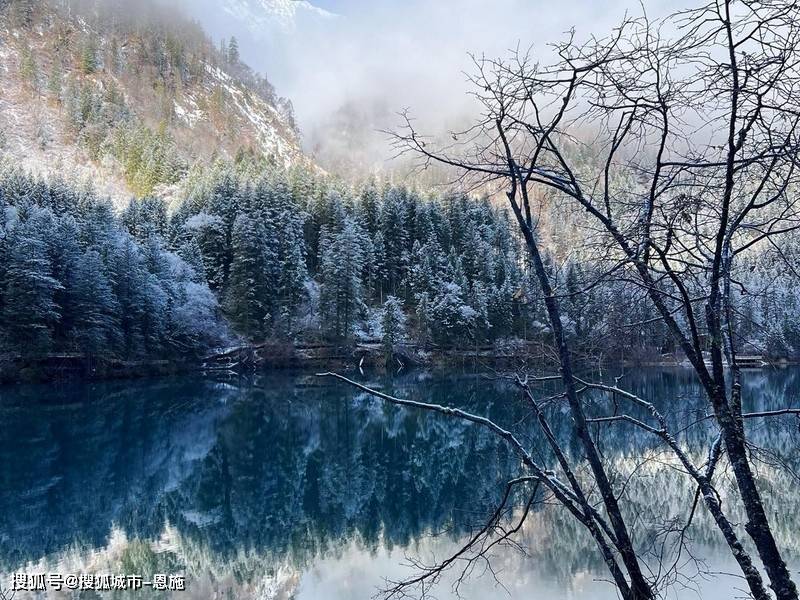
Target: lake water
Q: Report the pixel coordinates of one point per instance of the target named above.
(288, 486)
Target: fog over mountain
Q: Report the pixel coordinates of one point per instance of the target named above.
(349, 66)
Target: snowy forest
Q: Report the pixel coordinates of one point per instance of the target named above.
(262, 253)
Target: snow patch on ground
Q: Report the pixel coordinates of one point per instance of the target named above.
(5, 53)
(190, 115)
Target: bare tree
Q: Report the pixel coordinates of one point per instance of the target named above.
(679, 140)
(571, 494)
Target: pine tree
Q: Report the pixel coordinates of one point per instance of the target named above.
(71, 278)
(65, 253)
(29, 311)
(233, 52)
(89, 56)
(156, 314)
(114, 58)
(145, 217)
(252, 281)
(477, 255)
(208, 231)
(131, 287)
(479, 302)
(225, 203)
(72, 114)
(342, 264)
(379, 275)
(394, 323)
(451, 319)
(369, 208)
(155, 257)
(293, 273)
(395, 237)
(427, 266)
(95, 306)
(192, 256)
(423, 314)
(17, 187)
(223, 50)
(55, 82)
(28, 69)
(423, 221)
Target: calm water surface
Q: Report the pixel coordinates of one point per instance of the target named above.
(287, 486)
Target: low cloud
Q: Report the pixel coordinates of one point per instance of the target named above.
(348, 75)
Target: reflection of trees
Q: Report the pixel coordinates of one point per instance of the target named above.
(301, 478)
(282, 472)
(97, 455)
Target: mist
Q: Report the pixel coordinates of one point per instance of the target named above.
(349, 71)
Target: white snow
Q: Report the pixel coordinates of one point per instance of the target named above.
(188, 115)
(261, 16)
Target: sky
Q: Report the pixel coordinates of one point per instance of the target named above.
(349, 75)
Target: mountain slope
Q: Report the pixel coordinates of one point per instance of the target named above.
(129, 99)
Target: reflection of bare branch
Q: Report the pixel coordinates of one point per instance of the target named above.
(570, 496)
(709, 494)
(6, 594)
(476, 550)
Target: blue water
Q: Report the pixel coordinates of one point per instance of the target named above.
(290, 486)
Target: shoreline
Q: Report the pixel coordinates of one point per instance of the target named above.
(53, 368)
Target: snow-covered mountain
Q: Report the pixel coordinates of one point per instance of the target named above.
(262, 16)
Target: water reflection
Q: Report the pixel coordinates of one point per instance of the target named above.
(290, 487)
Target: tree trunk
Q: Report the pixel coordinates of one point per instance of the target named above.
(640, 588)
(733, 435)
(757, 525)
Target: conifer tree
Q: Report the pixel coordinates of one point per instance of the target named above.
(395, 237)
(292, 274)
(208, 231)
(342, 264)
(379, 275)
(252, 278)
(73, 279)
(55, 82)
(88, 57)
(192, 255)
(223, 50)
(131, 288)
(28, 69)
(369, 208)
(64, 252)
(29, 310)
(451, 319)
(95, 306)
(393, 321)
(233, 52)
